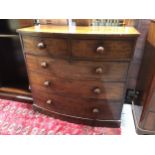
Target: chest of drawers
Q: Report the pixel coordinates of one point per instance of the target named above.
(79, 74)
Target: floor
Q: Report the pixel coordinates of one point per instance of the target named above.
(17, 118)
(127, 125)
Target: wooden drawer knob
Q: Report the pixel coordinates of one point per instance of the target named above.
(96, 110)
(47, 83)
(100, 50)
(97, 90)
(44, 64)
(41, 45)
(99, 70)
(49, 101)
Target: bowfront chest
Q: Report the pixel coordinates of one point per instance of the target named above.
(79, 74)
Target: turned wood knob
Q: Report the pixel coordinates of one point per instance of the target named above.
(44, 64)
(41, 45)
(49, 101)
(99, 70)
(100, 50)
(47, 83)
(95, 110)
(97, 90)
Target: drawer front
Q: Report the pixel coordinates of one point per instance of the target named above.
(77, 88)
(94, 109)
(46, 46)
(106, 50)
(82, 70)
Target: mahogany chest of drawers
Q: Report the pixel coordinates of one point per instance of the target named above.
(79, 74)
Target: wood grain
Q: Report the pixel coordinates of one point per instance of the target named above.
(151, 34)
(80, 107)
(113, 49)
(70, 88)
(53, 46)
(79, 73)
(82, 70)
(102, 30)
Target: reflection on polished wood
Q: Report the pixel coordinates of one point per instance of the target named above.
(100, 30)
(151, 34)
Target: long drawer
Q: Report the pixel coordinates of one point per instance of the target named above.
(77, 88)
(94, 109)
(82, 70)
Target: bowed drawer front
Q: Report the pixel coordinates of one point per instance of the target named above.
(82, 70)
(94, 89)
(79, 76)
(83, 108)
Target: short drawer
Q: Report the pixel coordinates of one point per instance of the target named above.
(77, 88)
(90, 108)
(103, 49)
(45, 46)
(82, 70)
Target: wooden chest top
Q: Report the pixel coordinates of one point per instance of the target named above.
(82, 30)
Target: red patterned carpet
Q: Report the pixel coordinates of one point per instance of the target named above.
(18, 118)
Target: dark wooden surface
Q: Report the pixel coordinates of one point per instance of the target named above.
(113, 49)
(146, 86)
(79, 107)
(110, 71)
(50, 46)
(67, 87)
(77, 79)
(79, 120)
(16, 93)
(13, 75)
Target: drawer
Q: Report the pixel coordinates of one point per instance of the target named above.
(82, 70)
(77, 88)
(45, 46)
(103, 49)
(90, 108)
